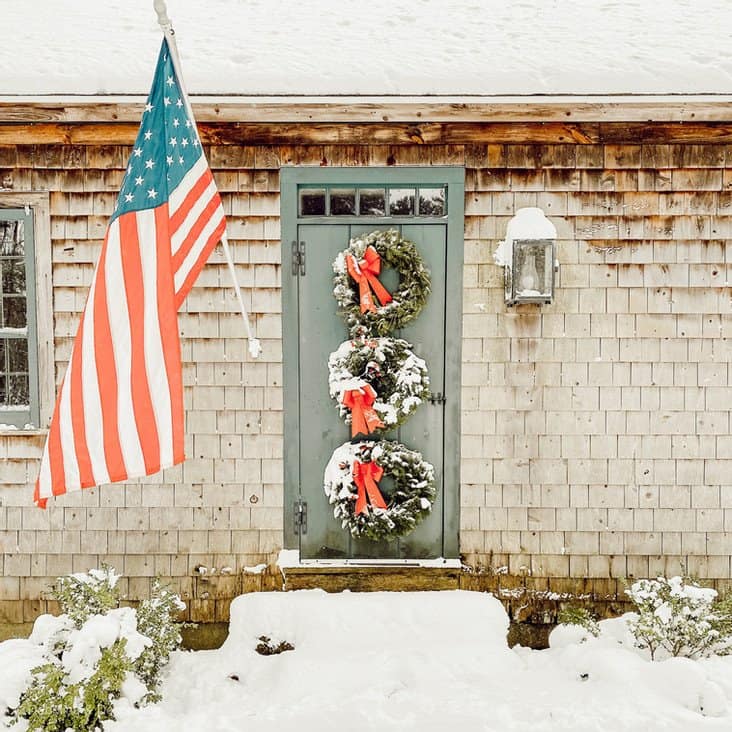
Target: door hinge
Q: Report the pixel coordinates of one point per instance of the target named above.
(301, 517)
(298, 258)
(438, 398)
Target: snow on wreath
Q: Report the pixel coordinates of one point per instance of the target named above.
(361, 296)
(376, 382)
(351, 484)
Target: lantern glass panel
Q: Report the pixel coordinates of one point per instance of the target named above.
(533, 269)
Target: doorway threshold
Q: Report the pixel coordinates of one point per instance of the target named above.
(290, 559)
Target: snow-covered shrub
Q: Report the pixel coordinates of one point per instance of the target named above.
(681, 617)
(55, 704)
(156, 621)
(84, 594)
(96, 653)
(572, 615)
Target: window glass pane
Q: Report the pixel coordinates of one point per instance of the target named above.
(401, 201)
(11, 239)
(432, 201)
(14, 312)
(18, 394)
(2, 355)
(13, 276)
(371, 202)
(3, 391)
(312, 202)
(17, 354)
(342, 201)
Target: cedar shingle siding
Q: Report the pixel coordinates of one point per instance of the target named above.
(595, 430)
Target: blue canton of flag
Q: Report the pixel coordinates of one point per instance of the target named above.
(167, 145)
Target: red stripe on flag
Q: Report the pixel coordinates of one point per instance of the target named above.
(179, 215)
(168, 318)
(107, 375)
(86, 475)
(135, 294)
(195, 232)
(56, 454)
(193, 273)
(40, 502)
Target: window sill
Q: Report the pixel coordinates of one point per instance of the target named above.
(18, 432)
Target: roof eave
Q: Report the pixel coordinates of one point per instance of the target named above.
(283, 109)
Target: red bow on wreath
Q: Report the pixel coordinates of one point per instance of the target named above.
(366, 272)
(365, 476)
(360, 401)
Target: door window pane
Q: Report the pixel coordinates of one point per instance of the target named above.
(401, 201)
(343, 202)
(431, 201)
(371, 202)
(312, 202)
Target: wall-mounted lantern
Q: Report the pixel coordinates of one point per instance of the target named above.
(528, 257)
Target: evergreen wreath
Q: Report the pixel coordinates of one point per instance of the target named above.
(404, 506)
(408, 300)
(389, 366)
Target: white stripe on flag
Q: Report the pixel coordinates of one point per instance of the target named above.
(154, 356)
(119, 324)
(191, 219)
(190, 261)
(179, 193)
(93, 423)
(68, 448)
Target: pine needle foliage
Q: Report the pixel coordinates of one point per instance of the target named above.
(52, 704)
(86, 668)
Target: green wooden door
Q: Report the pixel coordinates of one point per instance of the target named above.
(313, 328)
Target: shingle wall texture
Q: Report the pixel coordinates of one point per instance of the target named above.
(595, 431)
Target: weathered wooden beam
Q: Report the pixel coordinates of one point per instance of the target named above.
(309, 134)
(678, 132)
(442, 133)
(385, 109)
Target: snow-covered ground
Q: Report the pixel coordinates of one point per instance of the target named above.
(416, 661)
(379, 47)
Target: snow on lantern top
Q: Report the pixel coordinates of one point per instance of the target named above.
(527, 255)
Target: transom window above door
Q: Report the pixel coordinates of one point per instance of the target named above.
(365, 200)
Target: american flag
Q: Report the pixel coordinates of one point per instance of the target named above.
(119, 413)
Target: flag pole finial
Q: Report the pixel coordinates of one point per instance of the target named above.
(166, 25)
(162, 11)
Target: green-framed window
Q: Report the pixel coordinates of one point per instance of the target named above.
(19, 386)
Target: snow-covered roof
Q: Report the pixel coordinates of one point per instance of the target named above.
(372, 47)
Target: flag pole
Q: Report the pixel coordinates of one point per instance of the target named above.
(166, 25)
